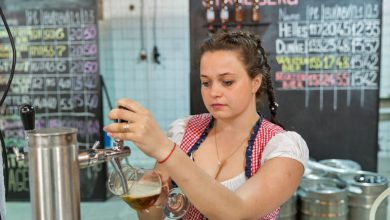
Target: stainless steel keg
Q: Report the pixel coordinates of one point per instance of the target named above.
(348, 165)
(288, 210)
(323, 198)
(364, 188)
(54, 174)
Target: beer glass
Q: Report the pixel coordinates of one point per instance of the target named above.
(144, 187)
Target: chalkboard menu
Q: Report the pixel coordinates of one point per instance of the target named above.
(57, 72)
(325, 56)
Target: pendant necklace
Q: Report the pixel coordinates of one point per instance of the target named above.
(219, 162)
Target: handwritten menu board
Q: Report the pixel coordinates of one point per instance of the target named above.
(57, 72)
(325, 57)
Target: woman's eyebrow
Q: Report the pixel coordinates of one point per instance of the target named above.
(222, 74)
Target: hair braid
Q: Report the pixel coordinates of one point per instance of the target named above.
(267, 85)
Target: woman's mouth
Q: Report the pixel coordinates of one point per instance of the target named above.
(217, 106)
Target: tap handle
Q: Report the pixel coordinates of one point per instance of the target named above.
(120, 120)
(27, 114)
(19, 155)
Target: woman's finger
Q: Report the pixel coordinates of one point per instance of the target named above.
(121, 136)
(118, 128)
(122, 114)
(130, 105)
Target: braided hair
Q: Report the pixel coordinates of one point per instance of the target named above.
(252, 55)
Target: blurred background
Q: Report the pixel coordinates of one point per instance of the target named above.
(147, 50)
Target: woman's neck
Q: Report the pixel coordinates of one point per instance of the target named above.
(242, 123)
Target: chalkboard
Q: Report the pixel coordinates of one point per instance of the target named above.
(325, 56)
(57, 72)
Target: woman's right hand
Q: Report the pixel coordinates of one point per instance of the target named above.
(141, 128)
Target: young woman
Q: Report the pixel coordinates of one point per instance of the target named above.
(231, 163)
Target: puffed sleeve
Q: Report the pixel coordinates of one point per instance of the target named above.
(177, 128)
(287, 144)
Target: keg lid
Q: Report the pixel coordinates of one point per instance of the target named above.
(365, 178)
(323, 187)
(52, 131)
(341, 164)
(52, 137)
(314, 173)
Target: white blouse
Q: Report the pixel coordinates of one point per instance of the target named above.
(285, 144)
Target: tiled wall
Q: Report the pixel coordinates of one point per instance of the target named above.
(384, 123)
(385, 67)
(162, 88)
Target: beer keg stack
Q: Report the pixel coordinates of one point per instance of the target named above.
(336, 189)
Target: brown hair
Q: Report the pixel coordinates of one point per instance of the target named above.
(252, 55)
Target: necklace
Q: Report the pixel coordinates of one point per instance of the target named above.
(222, 163)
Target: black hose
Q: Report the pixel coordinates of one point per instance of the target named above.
(4, 149)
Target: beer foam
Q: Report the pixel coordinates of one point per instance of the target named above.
(144, 190)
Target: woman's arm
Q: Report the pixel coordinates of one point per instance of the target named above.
(270, 187)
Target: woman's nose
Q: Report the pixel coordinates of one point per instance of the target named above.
(215, 90)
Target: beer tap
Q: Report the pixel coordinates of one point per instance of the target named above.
(114, 155)
(27, 115)
(87, 158)
(54, 161)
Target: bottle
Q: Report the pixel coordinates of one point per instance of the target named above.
(210, 14)
(238, 14)
(224, 14)
(255, 11)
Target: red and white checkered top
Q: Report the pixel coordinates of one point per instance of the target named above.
(195, 128)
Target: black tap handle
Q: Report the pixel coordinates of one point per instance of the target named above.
(27, 114)
(120, 120)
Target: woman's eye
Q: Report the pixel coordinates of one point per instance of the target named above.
(227, 82)
(205, 84)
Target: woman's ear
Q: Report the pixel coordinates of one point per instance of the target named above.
(256, 83)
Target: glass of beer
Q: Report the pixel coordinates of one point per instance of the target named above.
(143, 185)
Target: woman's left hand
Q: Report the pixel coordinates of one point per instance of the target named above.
(141, 128)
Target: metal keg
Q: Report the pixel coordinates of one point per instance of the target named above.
(54, 174)
(314, 173)
(348, 165)
(323, 198)
(288, 210)
(363, 189)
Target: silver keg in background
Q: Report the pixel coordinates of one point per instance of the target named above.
(344, 164)
(364, 188)
(288, 210)
(54, 174)
(323, 199)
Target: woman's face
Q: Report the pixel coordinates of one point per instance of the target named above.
(227, 90)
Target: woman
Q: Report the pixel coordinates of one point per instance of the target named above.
(231, 163)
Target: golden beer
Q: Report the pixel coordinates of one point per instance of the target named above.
(142, 195)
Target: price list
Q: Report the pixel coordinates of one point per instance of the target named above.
(329, 47)
(57, 72)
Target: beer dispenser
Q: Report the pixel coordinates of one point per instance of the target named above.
(54, 167)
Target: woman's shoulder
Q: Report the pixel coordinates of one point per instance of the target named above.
(270, 127)
(287, 144)
(177, 128)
